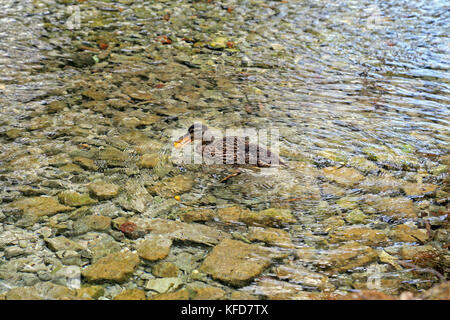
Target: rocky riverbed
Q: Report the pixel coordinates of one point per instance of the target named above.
(93, 204)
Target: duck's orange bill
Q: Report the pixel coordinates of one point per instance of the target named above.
(184, 140)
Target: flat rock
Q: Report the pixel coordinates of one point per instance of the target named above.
(272, 236)
(363, 235)
(348, 256)
(85, 163)
(62, 243)
(184, 231)
(38, 206)
(196, 214)
(405, 233)
(116, 267)
(231, 214)
(103, 190)
(281, 290)
(134, 196)
(164, 284)
(206, 293)
(102, 245)
(170, 187)
(97, 222)
(236, 262)
(343, 175)
(418, 189)
(131, 294)
(75, 199)
(165, 270)
(302, 275)
(268, 217)
(149, 160)
(113, 157)
(398, 207)
(182, 294)
(155, 248)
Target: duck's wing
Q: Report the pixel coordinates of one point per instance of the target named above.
(239, 151)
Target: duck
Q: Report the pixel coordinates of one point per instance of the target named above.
(228, 150)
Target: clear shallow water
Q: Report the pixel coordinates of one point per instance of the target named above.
(356, 84)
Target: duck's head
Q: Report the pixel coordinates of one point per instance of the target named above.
(197, 131)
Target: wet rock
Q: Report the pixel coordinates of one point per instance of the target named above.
(196, 214)
(72, 168)
(242, 295)
(94, 94)
(96, 222)
(406, 233)
(302, 275)
(418, 189)
(363, 235)
(102, 245)
(155, 248)
(381, 184)
(103, 190)
(182, 294)
(334, 222)
(185, 231)
(218, 43)
(170, 187)
(137, 93)
(149, 160)
(165, 270)
(40, 291)
(348, 256)
(342, 175)
(362, 164)
(38, 206)
(131, 294)
(366, 295)
(85, 163)
(231, 214)
(348, 202)
(113, 157)
(13, 133)
(11, 252)
(163, 285)
(387, 258)
(236, 262)
(75, 199)
(355, 216)
(56, 106)
(134, 196)
(398, 207)
(23, 293)
(417, 252)
(272, 236)
(131, 230)
(116, 267)
(438, 292)
(206, 293)
(62, 243)
(268, 217)
(90, 292)
(83, 59)
(280, 290)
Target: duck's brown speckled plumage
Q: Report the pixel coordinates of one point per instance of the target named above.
(230, 150)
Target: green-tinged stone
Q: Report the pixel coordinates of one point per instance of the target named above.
(115, 267)
(75, 199)
(355, 216)
(38, 206)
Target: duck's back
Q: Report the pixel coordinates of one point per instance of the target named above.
(233, 150)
